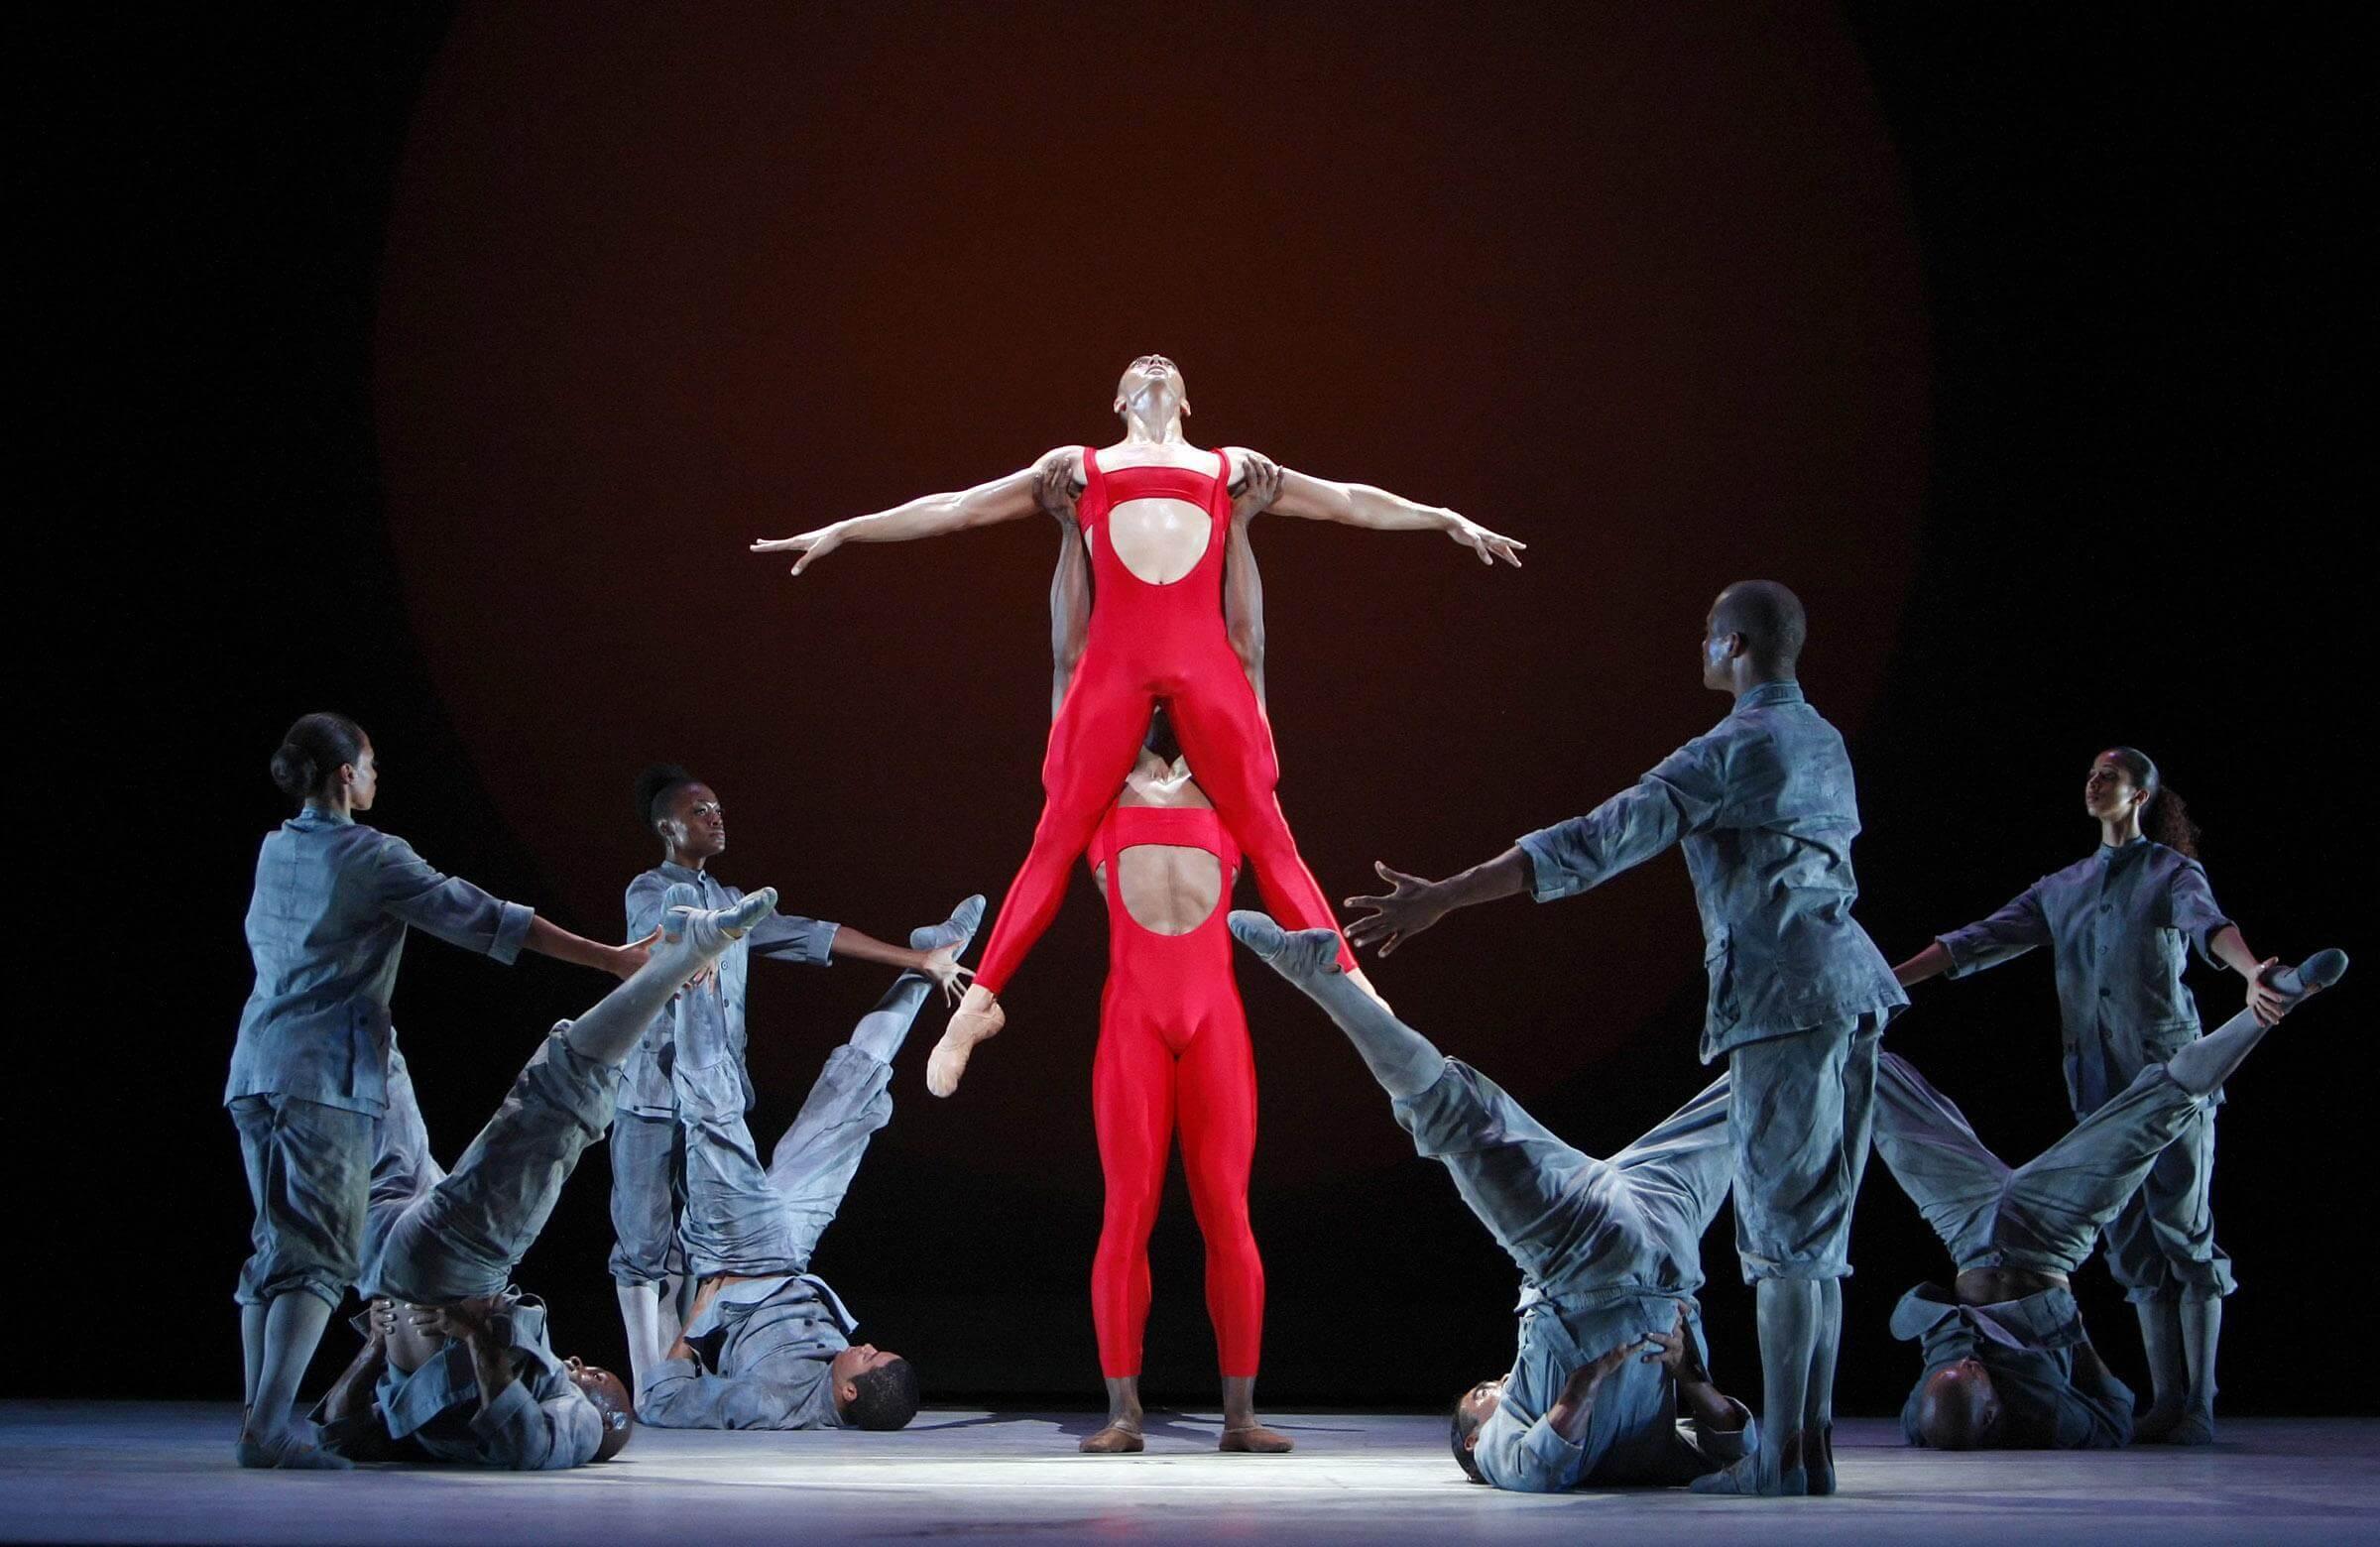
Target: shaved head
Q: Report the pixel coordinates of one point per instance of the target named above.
(1958, 1409)
(1768, 617)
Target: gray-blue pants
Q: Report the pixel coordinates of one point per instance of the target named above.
(462, 1235)
(740, 1219)
(649, 1191)
(1799, 1117)
(2160, 1244)
(310, 1170)
(1570, 1221)
(2042, 1216)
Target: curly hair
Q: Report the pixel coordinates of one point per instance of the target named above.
(657, 785)
(885, 1397)
(2163, 816)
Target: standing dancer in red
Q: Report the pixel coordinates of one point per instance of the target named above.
(1174, 1051)
(1155, 512)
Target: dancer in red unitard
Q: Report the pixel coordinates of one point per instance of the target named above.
(1155, 516)
(1173, 1052)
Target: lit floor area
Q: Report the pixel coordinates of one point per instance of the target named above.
(162, 1473)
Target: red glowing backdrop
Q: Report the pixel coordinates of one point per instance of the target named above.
(1634, 287)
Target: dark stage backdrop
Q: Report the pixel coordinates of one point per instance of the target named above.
(461, 353)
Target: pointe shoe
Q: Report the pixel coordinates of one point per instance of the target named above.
(1114, 1440)
(1255, 1439)
(973, 1022)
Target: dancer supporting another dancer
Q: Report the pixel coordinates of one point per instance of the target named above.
(326, 927)
(699, 1040)
(768, 1344)
(1154, 513)
(2119, 926)
(1764, 806)
(1611, 1356)
(1173, 1049)
(456, 1366)
(2007, 1362)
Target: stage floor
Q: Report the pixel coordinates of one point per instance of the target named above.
(162, 1473)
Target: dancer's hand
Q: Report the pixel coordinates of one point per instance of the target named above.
(942, 965)
(1259, 489)
(381, 1317)
(2267, 1002)
(626, 959)
(1489, 545)
(1410, 905)
(812, 545)
(1054, 485)
(1675, 1349)
(462, 1323)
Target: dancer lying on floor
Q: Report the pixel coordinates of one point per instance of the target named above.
(1608, 1388)
(767, 1345)
(2007, 1363)
(700, 1038)
(456, 1365)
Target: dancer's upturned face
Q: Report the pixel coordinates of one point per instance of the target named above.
(1480, 1401)
(694, 823)
(1152, 388)
(2108, 790)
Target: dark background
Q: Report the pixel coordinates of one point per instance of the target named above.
(436, 366)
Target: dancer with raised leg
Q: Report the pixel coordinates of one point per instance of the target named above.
(2007, 1362)
(767, 1343)
(457, 1365)
(2120, 927)
(699, 1042)
(326, 927)
(1173, 1052)
(1154, 515)
(1608, 1388)
(1764, 807)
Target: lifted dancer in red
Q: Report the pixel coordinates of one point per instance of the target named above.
(1153, 512)
(1173, 1049)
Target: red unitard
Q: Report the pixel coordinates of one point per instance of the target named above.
(1147, 644)
(1173, 1052)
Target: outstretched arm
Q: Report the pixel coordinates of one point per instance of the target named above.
(1361, 505)
(930, 516)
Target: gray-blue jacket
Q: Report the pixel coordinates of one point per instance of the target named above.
(1764, 806)
(326, 927)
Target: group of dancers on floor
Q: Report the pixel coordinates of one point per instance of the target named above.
(1161, 770)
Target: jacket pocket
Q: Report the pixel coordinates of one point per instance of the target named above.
(1718, 961)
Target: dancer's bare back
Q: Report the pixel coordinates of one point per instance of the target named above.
(1167, 889)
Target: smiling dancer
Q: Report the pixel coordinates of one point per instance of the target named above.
(1153, 514)
(2120, 927)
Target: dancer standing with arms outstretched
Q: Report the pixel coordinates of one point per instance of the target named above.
(2120, 926)
(1764, 806)
(326, 927)
(1154, 513)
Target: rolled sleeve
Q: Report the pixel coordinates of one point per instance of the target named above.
(1530, 1460)
(789, 937)
(1683, 795)
(2016, 928)
(2195, 912)
(409, 887)
(644, 904)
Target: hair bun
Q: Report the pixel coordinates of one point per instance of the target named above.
(292, 771)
